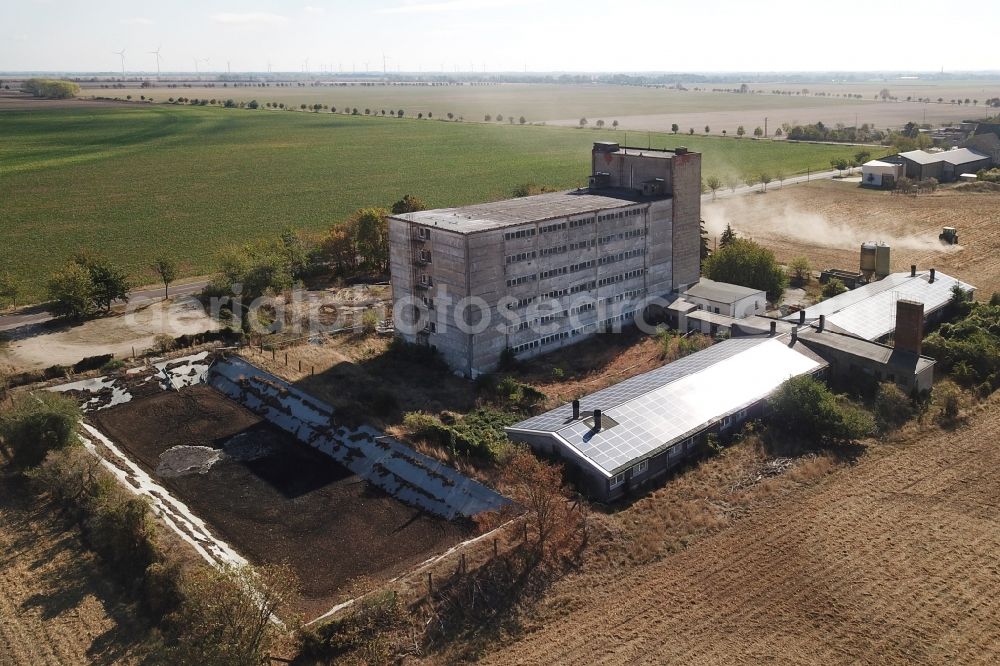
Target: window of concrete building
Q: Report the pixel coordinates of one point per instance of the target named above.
(616, 480)
(640, 468)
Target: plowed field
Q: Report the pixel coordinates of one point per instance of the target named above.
(892, 560)
(827, 221)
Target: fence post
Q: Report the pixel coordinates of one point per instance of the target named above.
(286, 359)
(274, 354)
(430, 584)
(312, 370)
(463, 564)
(525, 531)
(495, 549)
(300, 365)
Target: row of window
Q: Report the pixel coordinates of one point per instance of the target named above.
(638, 469)
(631, 233)
(520, 233)
(576, 224)
(549, 228)
(424, 233)
(549, 251)
(583, 245)
(619, 214)
(523, 279)
(621, 256)
(520, 256)
(621, 277)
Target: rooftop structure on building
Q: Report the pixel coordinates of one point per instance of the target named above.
(625, 435)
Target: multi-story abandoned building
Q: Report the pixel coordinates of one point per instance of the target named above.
(535, 273)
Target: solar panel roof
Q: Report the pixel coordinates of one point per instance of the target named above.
(870, 311)
(664, 406)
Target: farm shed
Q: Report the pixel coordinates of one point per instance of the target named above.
(877, 173)
(945, 166)
(869, 312)
(621, 438)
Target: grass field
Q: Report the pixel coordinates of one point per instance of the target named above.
(135, 182)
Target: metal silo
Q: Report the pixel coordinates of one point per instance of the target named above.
(881, 261)
(869, 252)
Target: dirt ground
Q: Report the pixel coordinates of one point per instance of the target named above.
(271, 498)
(889, 560)
(42, 345)
(57, 605)
(827, 222)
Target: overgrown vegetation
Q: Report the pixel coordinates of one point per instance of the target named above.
(50, 88)
(36, 424)
(803, 411)
(969, 347)
(676, 345)
(85, 286)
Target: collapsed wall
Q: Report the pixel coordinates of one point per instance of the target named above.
(397, 469)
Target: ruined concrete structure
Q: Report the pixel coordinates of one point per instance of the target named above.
(550, 269)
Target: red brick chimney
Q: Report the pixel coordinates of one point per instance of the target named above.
(909, 325)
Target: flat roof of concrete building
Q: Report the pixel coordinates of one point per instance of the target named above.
(720, 292)
(526, 210)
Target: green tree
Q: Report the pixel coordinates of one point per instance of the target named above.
(801, 270)
(765, 179)
(758, 132)
(745, 262)
(714, 183)
(674, 128)
(705, 250)
(50, 88)
(109, 282)
(732, 182)
(728, 236)
(522, 120)
(862, 156)
(408, 204)
(71, 292)
(371, 234)
(36, 424)
(614, 124)
(487, 117)
(805, 410)
(780, 176)
(583, 122)
(707, 129)
(166, 268)
(740, 131)
(600, 123)
(840, 164)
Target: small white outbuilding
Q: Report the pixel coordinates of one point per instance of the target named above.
(877, 173)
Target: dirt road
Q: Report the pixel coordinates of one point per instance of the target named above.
(891, 561)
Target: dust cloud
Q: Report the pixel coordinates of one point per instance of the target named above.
(758, 219)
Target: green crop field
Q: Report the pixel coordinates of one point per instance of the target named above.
(131, 183)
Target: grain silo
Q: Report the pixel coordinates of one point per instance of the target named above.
(874, 260)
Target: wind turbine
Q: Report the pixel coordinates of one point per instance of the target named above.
(196, 61)
(157, 54)
(121, 54)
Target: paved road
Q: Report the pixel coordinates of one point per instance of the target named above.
(743, 189)
(37, 315)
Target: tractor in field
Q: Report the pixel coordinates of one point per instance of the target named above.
(949, 235)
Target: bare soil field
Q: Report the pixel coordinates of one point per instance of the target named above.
(19, 102)
(57, 605)
(889, 560)
(36, 346)
(882, 115)
(827, 221)
(271, 498)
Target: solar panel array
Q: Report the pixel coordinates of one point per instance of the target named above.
(633, 387)
(687, 405)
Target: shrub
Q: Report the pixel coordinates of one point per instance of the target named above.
(364, 631)
(893, 408)
(745, 262)
(225, 616)
(39, 423)
(93, 362)
(949, 398)
(969, 348)
(803, 408)
(479, 434)
(163, 343)
(120, 530)
(833, 287)
(114, 365)
(369, 322)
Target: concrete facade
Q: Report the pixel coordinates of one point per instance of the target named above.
(552, 269)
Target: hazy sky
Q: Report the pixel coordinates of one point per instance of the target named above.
(508, 35)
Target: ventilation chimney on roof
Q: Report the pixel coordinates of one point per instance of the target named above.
(909, 325)
(795, 335)
(576, 410)
(822, 323)
(597, 420)
(774, 328)
(802, 317)
(913, 270)
(931, 281)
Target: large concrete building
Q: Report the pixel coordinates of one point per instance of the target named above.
(536, 273)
